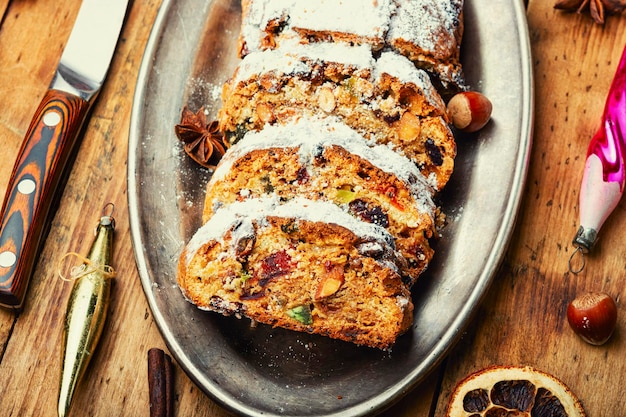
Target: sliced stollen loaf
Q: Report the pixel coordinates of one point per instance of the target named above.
(302, 265)
(429, 32)
(323, 159)
(386, 100)
(320, 215)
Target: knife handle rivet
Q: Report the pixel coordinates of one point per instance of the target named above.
(52, 118)
(7, 259)
(26, 186)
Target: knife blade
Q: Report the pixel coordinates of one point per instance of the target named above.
(50, 140)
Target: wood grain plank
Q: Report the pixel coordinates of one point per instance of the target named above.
(30, 365)
(4, 5)
(523, 321)
(32, 38)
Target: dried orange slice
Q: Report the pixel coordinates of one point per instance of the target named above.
(513, 392)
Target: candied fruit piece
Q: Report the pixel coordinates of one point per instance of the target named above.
(345, 196)
(275, 265)
(301, 314)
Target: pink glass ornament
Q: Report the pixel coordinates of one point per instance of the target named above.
(605, 173)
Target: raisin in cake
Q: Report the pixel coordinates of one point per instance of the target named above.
(323, 159)
(387, 99)
(302, 265)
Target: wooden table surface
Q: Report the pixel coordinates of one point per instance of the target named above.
(521, 322)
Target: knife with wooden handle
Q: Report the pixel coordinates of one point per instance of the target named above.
(50, 141)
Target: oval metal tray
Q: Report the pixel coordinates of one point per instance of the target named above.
(265, 371)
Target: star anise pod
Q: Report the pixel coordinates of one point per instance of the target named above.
(203, 141)
(597, 8)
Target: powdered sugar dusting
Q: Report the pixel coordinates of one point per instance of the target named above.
(325, 15)
(241, 215)
(428, 24)
(316, 16)
(294, 59)
(308, 134)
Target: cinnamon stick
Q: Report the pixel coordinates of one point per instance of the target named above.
(160, 383)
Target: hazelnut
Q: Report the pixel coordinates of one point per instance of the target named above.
(593, 316)
(469, 111)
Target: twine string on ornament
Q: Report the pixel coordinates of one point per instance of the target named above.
(85, 268)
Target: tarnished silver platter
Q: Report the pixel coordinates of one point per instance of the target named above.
(263, 371)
